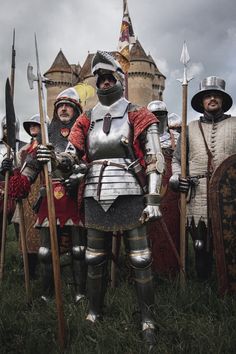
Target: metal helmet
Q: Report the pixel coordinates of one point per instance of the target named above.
(157, 106)
(69, 96)
(208, 85)
(174, 121)
(3, 125)
(159, 109)
(104, 63)
(34, 119)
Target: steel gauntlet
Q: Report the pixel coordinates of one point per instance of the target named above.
(178, 184)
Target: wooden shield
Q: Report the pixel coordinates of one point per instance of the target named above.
(222, 203)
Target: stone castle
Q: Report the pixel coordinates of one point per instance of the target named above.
(145, 81)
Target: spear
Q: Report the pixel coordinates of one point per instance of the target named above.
(19, 202)
(6, 182)
(11, 144)
(184, 59)
(13, 64)
(50, 201)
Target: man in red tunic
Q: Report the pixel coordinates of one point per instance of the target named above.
(69, 225)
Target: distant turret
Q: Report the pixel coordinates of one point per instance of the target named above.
(61, 75)
(145, 81)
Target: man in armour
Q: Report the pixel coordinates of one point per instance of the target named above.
(69, 224)
(210, 140)
(174, 124)
(32, 127)
(164, 260)
(8, 165)
(122, 185)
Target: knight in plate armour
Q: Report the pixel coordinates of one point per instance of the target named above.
(122, 185)
(164, 259)
(71, 233)
(8, 165)
(32, 127)
(210, 140)
(174, 125)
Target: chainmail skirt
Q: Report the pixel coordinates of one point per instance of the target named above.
(123, 214)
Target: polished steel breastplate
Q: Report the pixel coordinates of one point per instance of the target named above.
(104, 143)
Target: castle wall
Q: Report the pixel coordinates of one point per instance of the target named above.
(158, 87)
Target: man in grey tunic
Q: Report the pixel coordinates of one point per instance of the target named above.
(210, 140)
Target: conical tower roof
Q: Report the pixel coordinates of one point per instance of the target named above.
(86, 68)
(137, 52)
(60, 64)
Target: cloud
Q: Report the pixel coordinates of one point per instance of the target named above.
(77, 27)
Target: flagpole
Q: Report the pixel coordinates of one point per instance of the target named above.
(126, 86)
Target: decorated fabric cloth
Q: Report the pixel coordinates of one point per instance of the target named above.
(11, 204)
(164, 260)
(31, 233)
(66, 207)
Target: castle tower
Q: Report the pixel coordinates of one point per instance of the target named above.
(145, 82)
(158, 84)
(60, 75)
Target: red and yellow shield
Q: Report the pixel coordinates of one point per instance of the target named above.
(65, 132)
(59, 191)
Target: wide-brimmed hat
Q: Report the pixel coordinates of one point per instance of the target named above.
(207, 85)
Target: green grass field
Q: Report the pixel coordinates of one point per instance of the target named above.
(191, 321)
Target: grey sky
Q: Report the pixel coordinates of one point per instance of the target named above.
(79, 26)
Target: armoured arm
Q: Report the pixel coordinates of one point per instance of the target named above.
(79, 171)
(31, 169)
(7, 165)
(69, 162)
(155, 167)
(21, 180)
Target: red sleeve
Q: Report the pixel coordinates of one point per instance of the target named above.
(79, 132)
(140, 119)
(19, 185)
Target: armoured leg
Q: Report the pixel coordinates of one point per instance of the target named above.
(33, 261)
(203, 250)
(140, 261)
(96, 258)
(45, 259)
(79, 243)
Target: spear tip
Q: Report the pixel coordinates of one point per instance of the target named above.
(184, 58)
